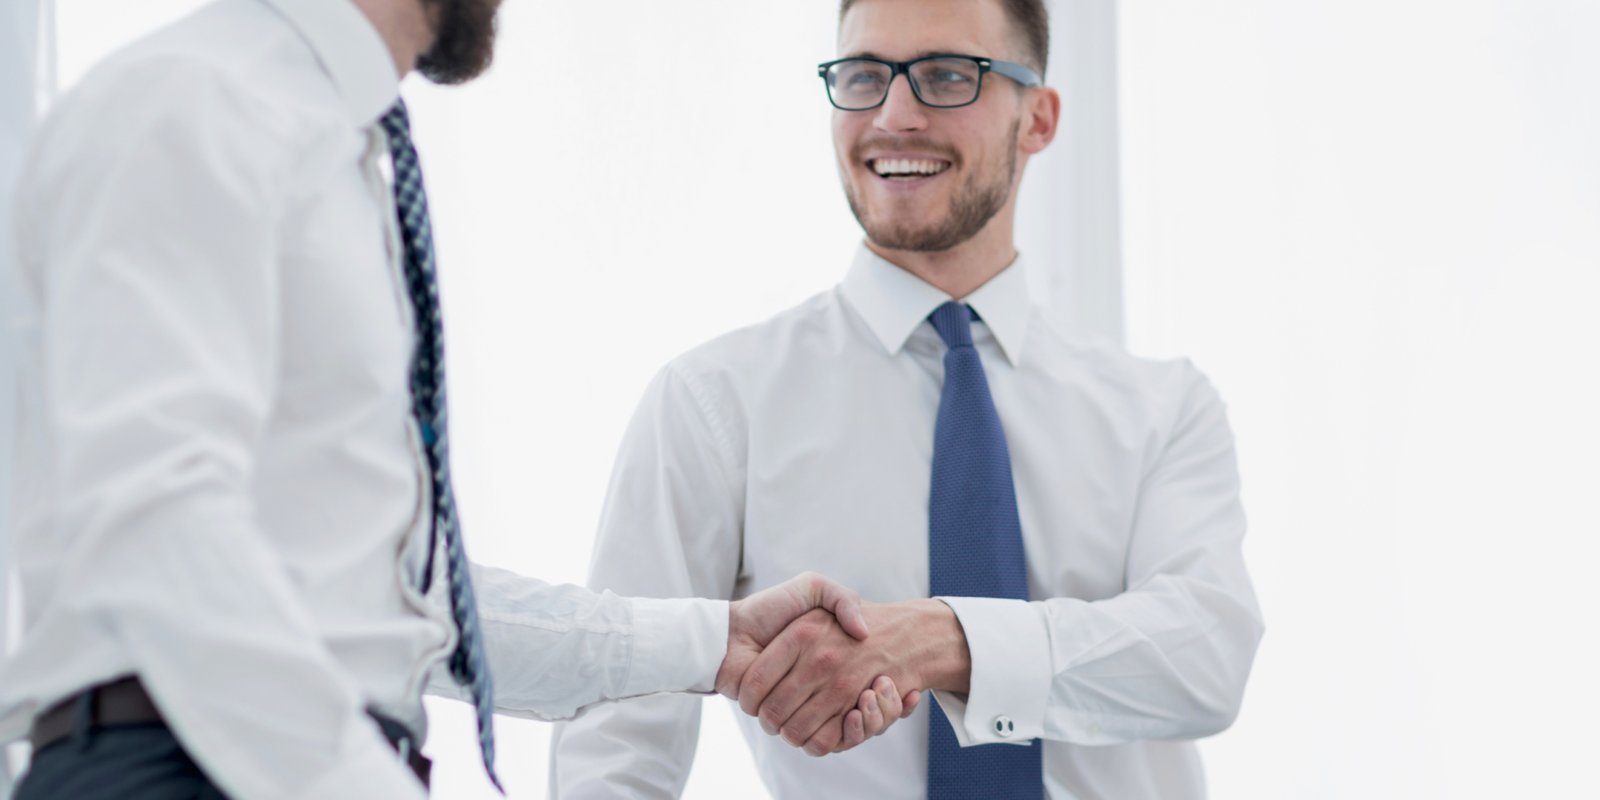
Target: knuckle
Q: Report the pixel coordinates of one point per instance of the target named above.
(828, 660)
(751, 690)
(873, 718)
(828, 739)
(805, 630)
(843, 686)
(772, 715)
(750, 704)
(755, 682)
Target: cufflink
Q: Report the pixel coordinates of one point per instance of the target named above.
(1004, 727)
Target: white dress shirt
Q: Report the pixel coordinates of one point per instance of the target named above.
(221, 487)
(806, 442)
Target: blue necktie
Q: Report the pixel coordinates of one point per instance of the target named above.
(974, 550)
(468, 664)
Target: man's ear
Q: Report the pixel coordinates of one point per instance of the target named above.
(1041, 114)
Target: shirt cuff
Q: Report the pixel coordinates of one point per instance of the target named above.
(678, 645)
(1010, 684)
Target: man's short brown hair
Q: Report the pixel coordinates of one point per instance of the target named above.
(1031, 20)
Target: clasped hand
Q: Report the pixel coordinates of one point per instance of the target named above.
(802, 659)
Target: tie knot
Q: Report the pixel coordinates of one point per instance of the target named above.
(953, 321)
(396, 122)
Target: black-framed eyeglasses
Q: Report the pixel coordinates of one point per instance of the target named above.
(943, 80)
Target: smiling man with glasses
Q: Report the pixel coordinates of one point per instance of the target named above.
(1065, 515)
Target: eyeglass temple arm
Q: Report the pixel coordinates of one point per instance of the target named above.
(1016, 72)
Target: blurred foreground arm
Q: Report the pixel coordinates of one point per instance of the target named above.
(555, 651)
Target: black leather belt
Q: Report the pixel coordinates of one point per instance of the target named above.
(125, 702)
(121, 702)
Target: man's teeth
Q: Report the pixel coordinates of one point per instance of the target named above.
(902, 166)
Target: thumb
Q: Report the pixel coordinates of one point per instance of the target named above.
(844, 603)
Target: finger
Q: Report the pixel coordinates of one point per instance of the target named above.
(794, 692)
(767, 671)
(848, 611)
(829, 737)
(873, 717)
(855, 731)
(844, 603)
(811, 666)
(910, 702)
(887, 698)
(826, 708)
(872, 724)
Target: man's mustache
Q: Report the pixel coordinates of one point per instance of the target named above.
(921, 144)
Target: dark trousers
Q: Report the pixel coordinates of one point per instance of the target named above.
(124, 762)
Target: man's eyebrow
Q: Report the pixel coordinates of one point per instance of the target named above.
(917, 55)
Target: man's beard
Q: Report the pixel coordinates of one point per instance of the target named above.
(463, 42)
(971, 209)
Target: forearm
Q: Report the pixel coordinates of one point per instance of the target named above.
(929, 642)
(1166, 661)
(556, 650)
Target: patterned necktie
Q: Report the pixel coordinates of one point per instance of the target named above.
(468, 664)
(974, 550)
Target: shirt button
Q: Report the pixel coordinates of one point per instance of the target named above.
(1004, 727)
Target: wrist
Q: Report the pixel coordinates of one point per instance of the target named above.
(726, 681)
(939, 658)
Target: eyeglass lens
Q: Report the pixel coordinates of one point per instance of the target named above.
(937, 81)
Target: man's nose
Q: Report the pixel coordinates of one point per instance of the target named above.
(901, 111)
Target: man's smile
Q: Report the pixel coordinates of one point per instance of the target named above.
(907, 168)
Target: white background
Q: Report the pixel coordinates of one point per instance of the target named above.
(1375, 223)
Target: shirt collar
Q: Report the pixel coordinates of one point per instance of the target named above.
(894, 302)
(350, 51)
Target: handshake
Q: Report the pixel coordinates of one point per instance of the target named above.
(826, 671)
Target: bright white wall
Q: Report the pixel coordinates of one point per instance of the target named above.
(1376, 223)
(1069, 215)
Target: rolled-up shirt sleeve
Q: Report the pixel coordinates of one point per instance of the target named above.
(1166, 659)
(159, 286)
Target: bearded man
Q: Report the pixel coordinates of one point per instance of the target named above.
(240, 553)
(1069, 514)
